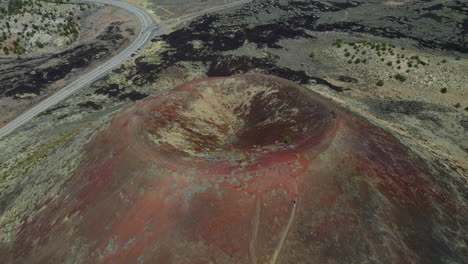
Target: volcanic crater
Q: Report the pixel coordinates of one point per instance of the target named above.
(217, 123)
(245, 169)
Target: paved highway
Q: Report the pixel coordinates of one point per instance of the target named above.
(148, 30)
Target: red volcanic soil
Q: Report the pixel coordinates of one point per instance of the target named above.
(245, 169)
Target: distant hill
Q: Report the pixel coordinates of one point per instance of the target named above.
(27, 26)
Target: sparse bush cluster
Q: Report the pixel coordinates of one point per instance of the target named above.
(22, 23)
(400, 77)
(387, 54)
(361, 52)
(358, 50)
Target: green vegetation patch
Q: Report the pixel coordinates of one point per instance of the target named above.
(23, 163)
(17, 36)
(400, 77)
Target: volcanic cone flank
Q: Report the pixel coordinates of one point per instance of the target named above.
(243, 169)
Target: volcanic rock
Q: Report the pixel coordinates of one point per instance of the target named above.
(245, 169)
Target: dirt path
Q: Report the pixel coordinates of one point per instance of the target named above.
(253, 240)
(292, 215)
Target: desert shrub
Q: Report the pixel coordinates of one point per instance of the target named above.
(380, 83)
(337, 43)
(400, 77)
(443, 90)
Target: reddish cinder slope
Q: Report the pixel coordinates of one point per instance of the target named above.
(245, 169)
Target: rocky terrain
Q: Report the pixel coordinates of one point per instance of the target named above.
(29, 79)
(38, 25)
(396, 74)
(411, 82)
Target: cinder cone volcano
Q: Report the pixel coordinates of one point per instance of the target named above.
(244, 169)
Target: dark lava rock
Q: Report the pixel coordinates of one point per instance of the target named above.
(18, 80)
(133, 95)
(111, 90)
(464, 123)
(231, 65)
(90, 104)
(347, 79)
(405, 107)
(401, 107)
(53, 109)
